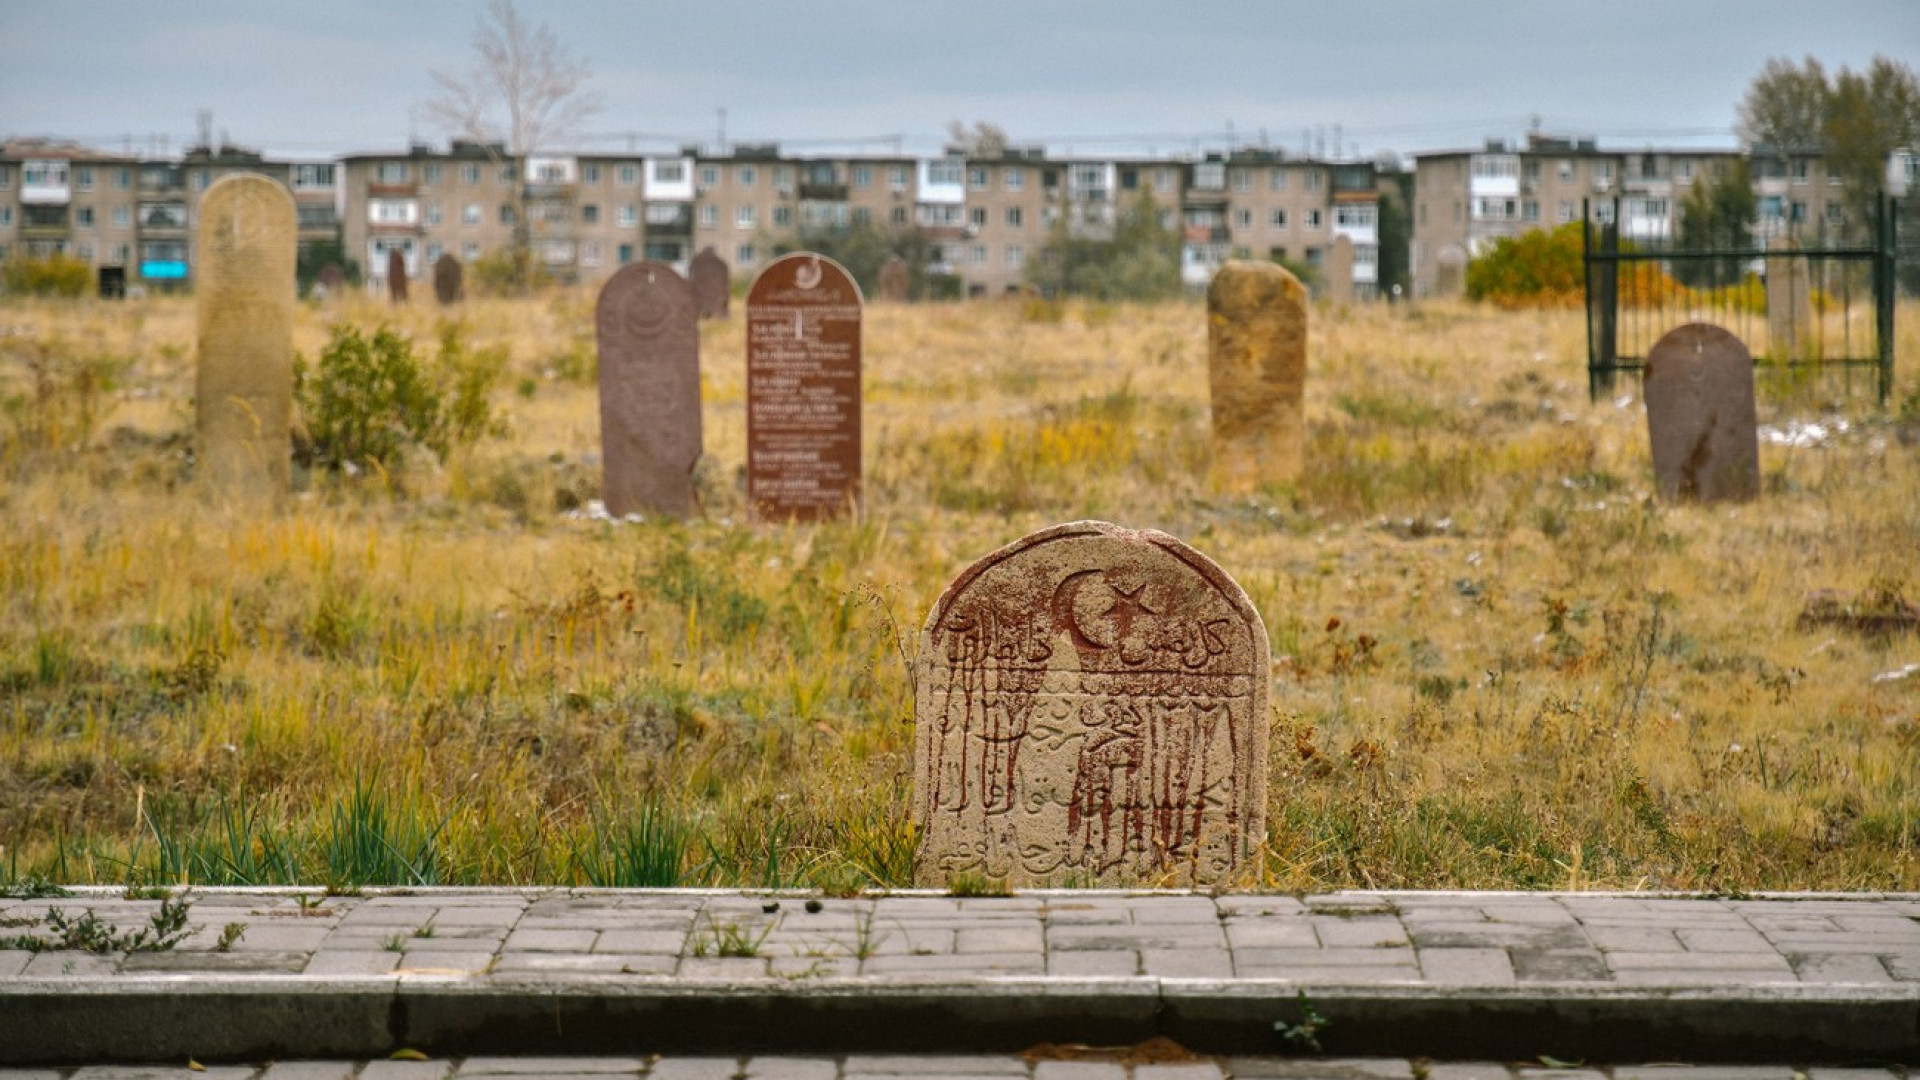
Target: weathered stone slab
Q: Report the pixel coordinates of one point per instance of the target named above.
(1257, 364)
(396, 276)
(448, 281)
(803, 390)
(243, 383)
(893, 280)
(1091, 707)
(650, 433)
(712, 284)
(1790, 328)
(1339, 270)
(1700, 416)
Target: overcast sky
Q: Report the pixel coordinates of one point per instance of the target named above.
(318, 79)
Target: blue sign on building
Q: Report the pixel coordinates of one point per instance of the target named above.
(164, 270)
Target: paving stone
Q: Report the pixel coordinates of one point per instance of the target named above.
(1361, 933)
(1000, 939)
(1634, 939)
(1535, 936)
(406, 1070)
(1715, 977)
(1242, 904)
(694, 1068)
(863, 1067)
(1187, 963)
(163, 1072)
(1727, 941)
(310, 1070)
(1331, 976)
(352, 962)
(542, 963)
(668, 942)
(443, 962)
(1698, 961)
(791, 1068)
(1467, 967)
(1169, 1071)
(1162, 936)
(1841, 968)
(1026, 963)
(1094, 963)
(1328, 1069)
(13, 962)
(1569, 966)
(1184, 909)
(1703, 1072)
(1466, 1070)
(202, 962)
(542, 1067)
(67, 964)
(1272, 933)
(1817, 1073)
(457, 939)
(31, 1074)
(1327, 957)
(279, 936)
(1079, 1070)
(578, 941)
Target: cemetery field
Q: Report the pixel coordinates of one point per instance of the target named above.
(1497, 661)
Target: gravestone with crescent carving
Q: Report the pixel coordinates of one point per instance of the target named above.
(803, 390)
(650, 427)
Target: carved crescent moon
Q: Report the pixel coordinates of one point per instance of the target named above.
(1065, 597)
(808, 276)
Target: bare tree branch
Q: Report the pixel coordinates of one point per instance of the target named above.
(524, 90)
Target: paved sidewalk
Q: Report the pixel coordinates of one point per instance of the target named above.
(1460, 976)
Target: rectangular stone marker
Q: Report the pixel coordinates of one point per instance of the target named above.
(803, 390)
(1339, 271)
(244, 293)
(396, 276)
(1700, 416)
(650, 434)
(1790, 328)
(1091, 708)
(893, 280)
(712, 284)
(1257, 365)
(448, 287)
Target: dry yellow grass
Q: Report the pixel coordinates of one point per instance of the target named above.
(1498, 662)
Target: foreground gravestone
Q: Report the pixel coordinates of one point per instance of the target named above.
(1257, 362)
(1091, 708)
(712, 284)
(893, 280)
(448, 285)
(1700, 416)
(396, 276)
(1339, 270)
(1789, 302)
(243, 383)
(803, 390)
(650, 433)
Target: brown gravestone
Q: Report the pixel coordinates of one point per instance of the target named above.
(1091, 708)
(243, 384)
(332, 280)
(1789, 302)
(1700, 416)
(712, 284)
(1339, 271)
(803, 390)
(649, 391)
(1257, 343)
(448, 287)
(893, 280)
(396, 276)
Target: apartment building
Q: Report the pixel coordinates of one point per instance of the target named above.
(134, 219)
(1260, 204)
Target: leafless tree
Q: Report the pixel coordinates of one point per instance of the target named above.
(524, 93)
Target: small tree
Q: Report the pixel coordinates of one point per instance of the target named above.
(55, 275)
(1140, 262)
(863, 248)
(1538, 268)
(1717, 215)
(370, 399)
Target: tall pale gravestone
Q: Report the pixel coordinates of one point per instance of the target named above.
(1701, 419)
(893, 280)
(1450, 275)
(1091, 708)
(396, 276)
(650, 434)
(449, 287)
(1790, 326)
(803, 390)
(1257, 363)
(1339, 270)
(712, 284)
(244, 293)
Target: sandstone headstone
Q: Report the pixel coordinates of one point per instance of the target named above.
(244, 293)
(893, 280)
(396, 276)
(1339, 270)
(1450, 274)
(448, 280)
(1790, 328)
(1091, 708)
(803, 390)
(1700, 415)
(332, 280)
(712, 284)
(649, 391)
(1257, 344)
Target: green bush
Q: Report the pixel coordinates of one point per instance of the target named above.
(370, 399)
(56, 275)
(1538, 268)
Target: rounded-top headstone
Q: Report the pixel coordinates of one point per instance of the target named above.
(650, 429)
(803, 390)
(712, 284)
(1701, 420)
(893, 280)
(245, 293)
(396, 276)
(1257, 348)
(448, 287)
(1091, 708)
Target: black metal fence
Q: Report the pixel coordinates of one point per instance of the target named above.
(1814, 298)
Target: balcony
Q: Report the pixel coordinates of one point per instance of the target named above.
(669, 219)
(377, 190)
(827, 192)
(163, 219)
(42, 222)
(1204, 199)
(550, 190)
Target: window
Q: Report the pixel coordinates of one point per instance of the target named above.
(506, 214)
(1313, 180)
(746, 176)
(120, 253)
(709, 176)
(626, 254)
(1313, 216)
(1209, 175)
(6, 216)
(1530, 210)
(861, 215)
(743, 254)
(433, 213)
(1683, 172)
(83, 178)
(469, 251)
(200, 179)
(393, 172)
(1277, 180)
(1163, 179)
(1016, 256)
(1603, 172)
(897, 179)
(863, 176)
(1530, 170)
(83, 252)
(977, 254)
(1242, 179)
(783, 215)
(1565, 169)
(627, 216)
(783, 177)
(668, 172)
(589, 174)
(977, 178)
(897, 216)
(433, 253)
(469, 174)
(709, 217)
(977, 216)
(944, 171)
(392, 211)
(1801, 171)
(1243, 219)
(1013, 178)
(430, 172)
(470, 214)
(1276, 219)
(506, 174)
(743, 217)
(1356, 216)
(590, 253)
(122, 180)
(665, 172)
(1796, 211)
(590, 214)
(1566, 211)
(122, 217)
(1016, 218)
